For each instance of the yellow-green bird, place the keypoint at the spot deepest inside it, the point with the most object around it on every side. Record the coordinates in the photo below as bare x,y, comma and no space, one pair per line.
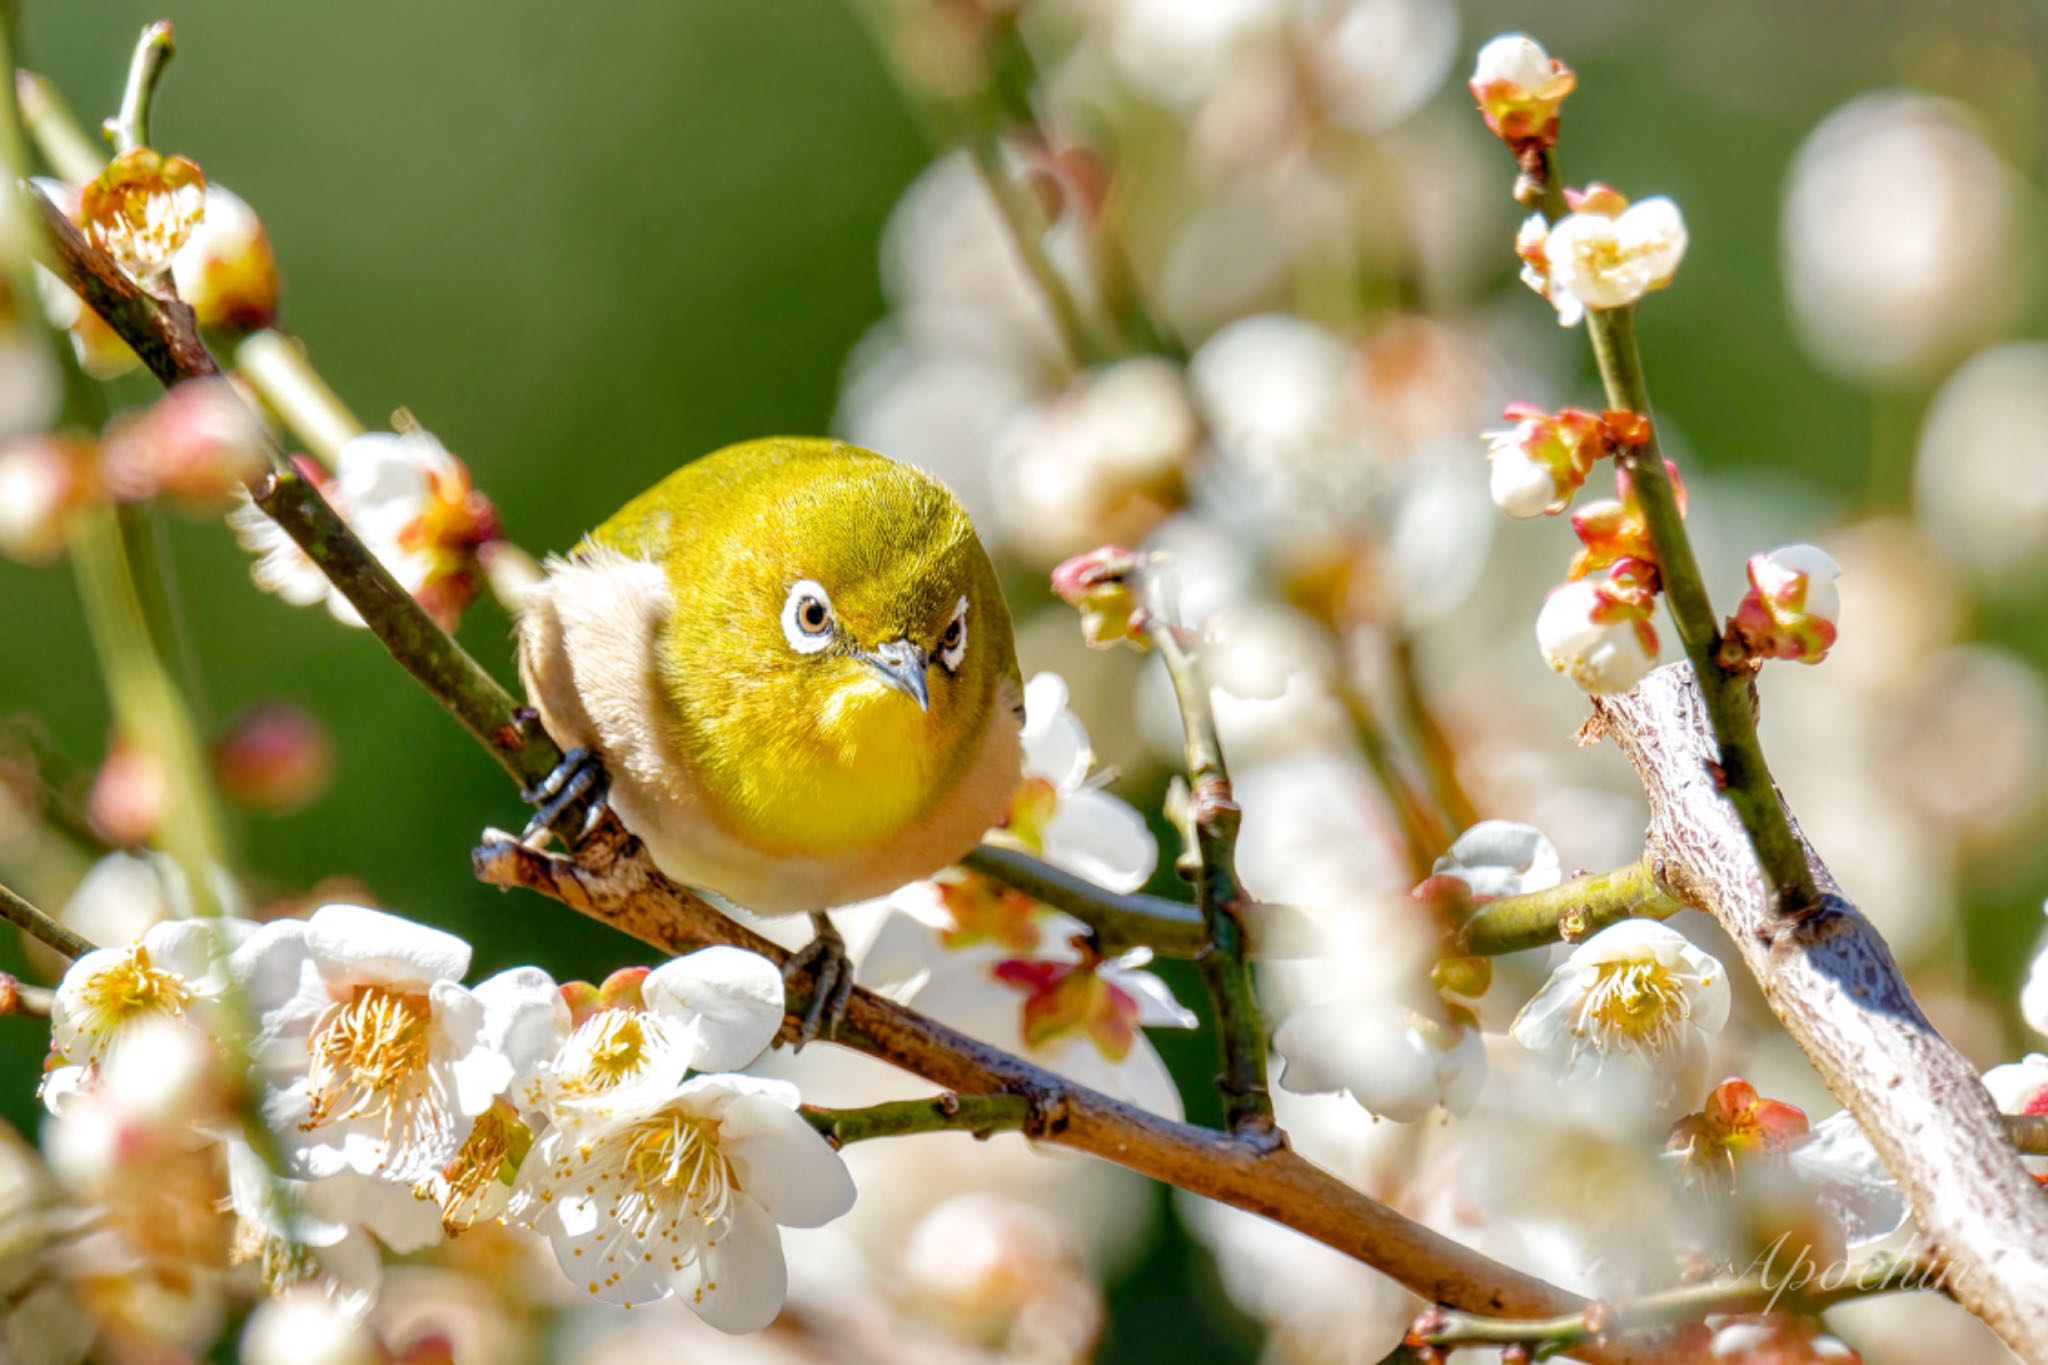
790,669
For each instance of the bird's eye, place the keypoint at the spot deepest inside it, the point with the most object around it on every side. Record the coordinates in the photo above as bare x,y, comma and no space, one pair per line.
807,618
953,644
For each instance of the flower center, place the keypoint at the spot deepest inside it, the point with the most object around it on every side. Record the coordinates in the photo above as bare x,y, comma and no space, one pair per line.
369,1051
671,1166
131,988
1641,1005
613,1054
473,1170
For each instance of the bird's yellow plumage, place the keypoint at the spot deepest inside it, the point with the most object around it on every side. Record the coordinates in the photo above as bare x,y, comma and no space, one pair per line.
794,661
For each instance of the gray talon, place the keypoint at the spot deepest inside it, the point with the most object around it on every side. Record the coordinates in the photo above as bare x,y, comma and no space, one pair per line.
570,799
830,973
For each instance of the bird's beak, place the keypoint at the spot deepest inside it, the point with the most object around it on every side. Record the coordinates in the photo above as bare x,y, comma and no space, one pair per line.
902,666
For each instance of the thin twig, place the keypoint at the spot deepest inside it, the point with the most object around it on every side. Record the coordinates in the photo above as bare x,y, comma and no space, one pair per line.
1569,912
1214,817
23,915
1118,921
981,1115
153,52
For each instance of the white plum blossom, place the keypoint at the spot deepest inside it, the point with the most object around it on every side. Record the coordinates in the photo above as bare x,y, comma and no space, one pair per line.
304,1326
1600,639
716,1009
1061,813
682,1188
1849,1179
173,972
1513,59
1395,1062
1599,259
1501,858
1637,991
377,1056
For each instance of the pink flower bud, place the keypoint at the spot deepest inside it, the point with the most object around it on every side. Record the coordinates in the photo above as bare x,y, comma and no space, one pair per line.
227,271
1102,585
1536,465
1791,607
1064,998
274,758
129,795
142,209
42,479
1520,87
1598,633
1613,530
199,444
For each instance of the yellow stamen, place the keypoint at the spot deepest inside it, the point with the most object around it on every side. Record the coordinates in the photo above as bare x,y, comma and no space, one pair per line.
369,1058
473,1170
131,987
1639,1005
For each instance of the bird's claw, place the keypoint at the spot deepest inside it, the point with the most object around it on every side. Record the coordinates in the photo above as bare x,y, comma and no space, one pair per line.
570,800
824,966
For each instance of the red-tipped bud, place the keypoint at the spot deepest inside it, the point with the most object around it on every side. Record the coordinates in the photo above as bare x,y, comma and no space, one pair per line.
275,758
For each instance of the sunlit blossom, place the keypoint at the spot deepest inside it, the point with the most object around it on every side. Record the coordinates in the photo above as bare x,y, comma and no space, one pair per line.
377,1055
1598,632
1637,992
1792,605
1604,255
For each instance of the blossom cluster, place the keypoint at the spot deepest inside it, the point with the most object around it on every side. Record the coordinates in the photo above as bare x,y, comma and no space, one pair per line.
400,1104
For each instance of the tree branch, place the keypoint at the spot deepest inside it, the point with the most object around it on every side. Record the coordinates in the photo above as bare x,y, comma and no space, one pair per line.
611,881
1569,912
981,1115
1214,817
25,916
1119,921
1831,980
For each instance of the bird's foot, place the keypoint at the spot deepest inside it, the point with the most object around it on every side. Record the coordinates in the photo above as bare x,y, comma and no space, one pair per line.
824,966
570,800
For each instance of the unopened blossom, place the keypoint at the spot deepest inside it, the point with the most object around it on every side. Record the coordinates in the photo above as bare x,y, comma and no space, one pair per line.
142,209
1501,858
198,444
174,972
226,270
1616,529
43,480
1791,607
1608,253
1103,586
1735,1124
1598,632
1637,991
416,509
682,1188
273,757
1520,87
131,793
377,1055
1537,464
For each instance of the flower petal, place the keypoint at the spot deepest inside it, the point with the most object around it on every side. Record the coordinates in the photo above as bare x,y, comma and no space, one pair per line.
525,1018
740,1281
355,945
732,998
1097,836
1502,858
783,1164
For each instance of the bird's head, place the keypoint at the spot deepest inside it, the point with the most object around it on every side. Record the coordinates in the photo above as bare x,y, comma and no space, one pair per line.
850,649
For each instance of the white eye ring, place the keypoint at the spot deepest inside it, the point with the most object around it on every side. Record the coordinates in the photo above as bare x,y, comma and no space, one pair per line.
807,618
953,644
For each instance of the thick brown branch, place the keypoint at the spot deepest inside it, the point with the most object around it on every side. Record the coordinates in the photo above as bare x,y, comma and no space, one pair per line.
611,881
1832,981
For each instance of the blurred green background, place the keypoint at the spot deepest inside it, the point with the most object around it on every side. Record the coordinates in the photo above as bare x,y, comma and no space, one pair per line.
585,245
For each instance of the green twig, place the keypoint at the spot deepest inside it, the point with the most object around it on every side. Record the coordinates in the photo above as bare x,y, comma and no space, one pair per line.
129,129
1119,921
1214,817
1422,838
25,916
1799,1286
1026,227
1569,913
1438,760
980,1115
64,145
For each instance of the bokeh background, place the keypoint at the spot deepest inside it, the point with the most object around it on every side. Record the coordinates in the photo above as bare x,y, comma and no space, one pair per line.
585,246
